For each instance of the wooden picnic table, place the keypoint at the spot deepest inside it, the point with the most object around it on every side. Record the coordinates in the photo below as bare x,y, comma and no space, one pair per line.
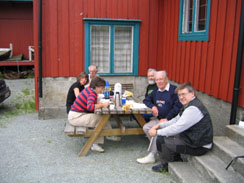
116,113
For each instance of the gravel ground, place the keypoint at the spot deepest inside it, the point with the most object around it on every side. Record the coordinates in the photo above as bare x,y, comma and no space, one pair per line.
37,151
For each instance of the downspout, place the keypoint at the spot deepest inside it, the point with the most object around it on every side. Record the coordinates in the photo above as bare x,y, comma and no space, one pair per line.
40,47
238,68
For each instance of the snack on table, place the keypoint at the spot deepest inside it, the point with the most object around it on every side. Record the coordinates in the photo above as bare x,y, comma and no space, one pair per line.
128,93
126,107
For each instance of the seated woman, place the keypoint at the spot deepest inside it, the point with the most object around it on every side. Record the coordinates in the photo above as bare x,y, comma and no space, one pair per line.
75,89
82,111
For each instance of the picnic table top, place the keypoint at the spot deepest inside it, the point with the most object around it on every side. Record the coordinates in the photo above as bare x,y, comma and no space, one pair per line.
120,110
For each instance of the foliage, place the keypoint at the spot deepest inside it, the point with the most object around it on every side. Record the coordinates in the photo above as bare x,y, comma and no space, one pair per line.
24,103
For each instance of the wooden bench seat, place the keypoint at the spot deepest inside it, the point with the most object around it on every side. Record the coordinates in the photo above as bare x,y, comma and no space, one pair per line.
73,131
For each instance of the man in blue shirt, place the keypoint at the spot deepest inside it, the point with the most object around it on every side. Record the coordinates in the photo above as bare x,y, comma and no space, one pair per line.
165,105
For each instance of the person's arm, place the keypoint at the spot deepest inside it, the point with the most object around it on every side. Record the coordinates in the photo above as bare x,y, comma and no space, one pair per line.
101,105
153,131
91,100
92,105
176,107
149,100
170,122
76,91
190,117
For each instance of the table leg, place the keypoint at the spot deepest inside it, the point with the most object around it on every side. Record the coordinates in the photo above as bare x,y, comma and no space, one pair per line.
140,119
94,134
119,123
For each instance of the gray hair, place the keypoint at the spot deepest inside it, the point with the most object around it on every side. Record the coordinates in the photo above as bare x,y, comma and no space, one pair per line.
150,70
187,85
163,72
93,66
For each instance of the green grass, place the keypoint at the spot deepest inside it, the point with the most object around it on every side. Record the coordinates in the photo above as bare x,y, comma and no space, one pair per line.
26,92
24,103
165,173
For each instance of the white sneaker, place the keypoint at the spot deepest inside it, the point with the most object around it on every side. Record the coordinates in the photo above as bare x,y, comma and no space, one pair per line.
96,147
146,159
113,138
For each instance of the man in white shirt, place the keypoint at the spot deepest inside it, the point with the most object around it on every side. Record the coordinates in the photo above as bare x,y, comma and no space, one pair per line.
190,132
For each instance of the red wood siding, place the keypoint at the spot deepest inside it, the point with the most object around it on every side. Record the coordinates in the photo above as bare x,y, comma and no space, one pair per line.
208,65
16,20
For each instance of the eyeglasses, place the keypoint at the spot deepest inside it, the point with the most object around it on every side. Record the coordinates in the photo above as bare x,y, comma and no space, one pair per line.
183,94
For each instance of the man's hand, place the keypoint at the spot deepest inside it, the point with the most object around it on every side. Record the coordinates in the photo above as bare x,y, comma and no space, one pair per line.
152,132
106,104
155,111
163,120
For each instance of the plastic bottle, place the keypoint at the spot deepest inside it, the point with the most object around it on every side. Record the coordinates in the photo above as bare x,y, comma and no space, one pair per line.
123,100
106,90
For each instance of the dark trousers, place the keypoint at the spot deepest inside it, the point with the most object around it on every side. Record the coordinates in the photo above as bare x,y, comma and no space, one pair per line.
170,148
147,117
68,109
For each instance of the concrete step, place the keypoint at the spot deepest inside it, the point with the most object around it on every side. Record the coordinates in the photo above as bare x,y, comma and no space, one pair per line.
226,149
213,169
235,133
184,172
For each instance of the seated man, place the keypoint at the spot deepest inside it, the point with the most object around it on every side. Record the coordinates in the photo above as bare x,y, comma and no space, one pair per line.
92,73
165,105
151,81
151,86
190,132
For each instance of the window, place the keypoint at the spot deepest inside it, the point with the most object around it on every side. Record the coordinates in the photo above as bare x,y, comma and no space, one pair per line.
112,45
194,20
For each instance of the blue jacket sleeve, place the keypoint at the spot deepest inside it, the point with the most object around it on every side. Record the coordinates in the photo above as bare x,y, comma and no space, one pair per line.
176,107
149,100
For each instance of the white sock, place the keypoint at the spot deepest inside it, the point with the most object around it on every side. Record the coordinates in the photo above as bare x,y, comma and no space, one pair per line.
151,155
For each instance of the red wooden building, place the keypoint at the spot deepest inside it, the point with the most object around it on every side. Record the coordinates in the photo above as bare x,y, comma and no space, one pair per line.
208,62
16,20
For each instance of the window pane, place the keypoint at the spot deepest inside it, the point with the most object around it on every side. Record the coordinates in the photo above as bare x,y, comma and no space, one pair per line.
187,16
202,14
123,49
100,48
190,16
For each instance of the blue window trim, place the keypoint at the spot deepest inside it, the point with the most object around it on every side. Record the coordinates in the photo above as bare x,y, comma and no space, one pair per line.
193,36
113,22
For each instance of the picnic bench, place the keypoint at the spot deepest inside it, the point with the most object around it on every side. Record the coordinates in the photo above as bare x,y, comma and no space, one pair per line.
107,113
